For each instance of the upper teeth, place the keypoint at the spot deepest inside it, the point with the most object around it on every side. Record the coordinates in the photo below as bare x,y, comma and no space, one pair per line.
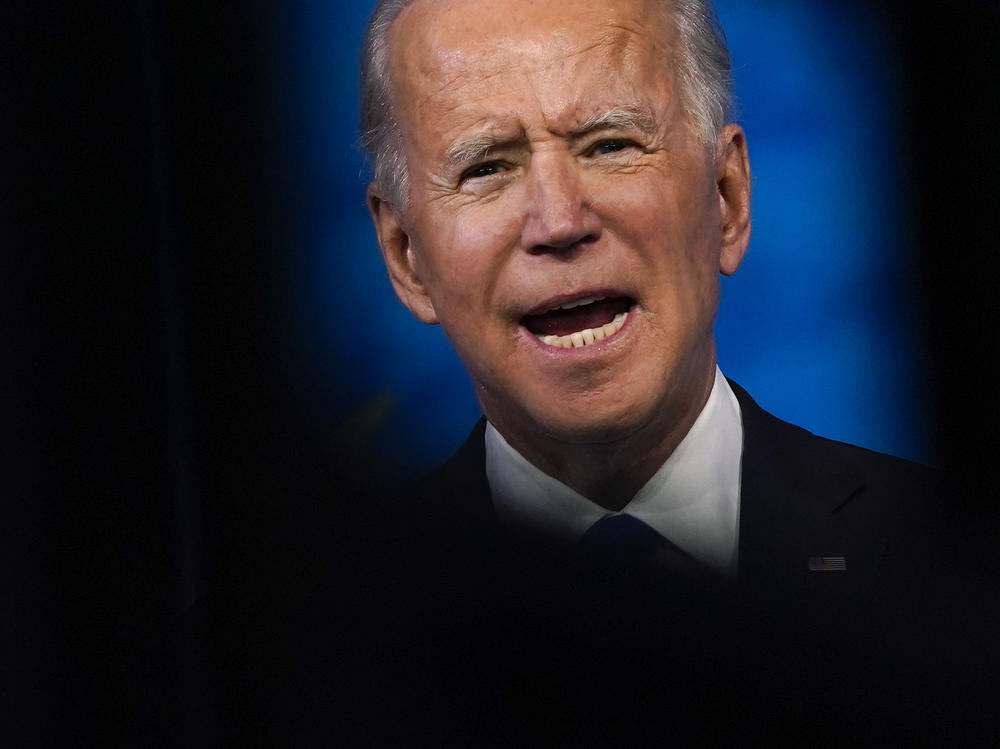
581,302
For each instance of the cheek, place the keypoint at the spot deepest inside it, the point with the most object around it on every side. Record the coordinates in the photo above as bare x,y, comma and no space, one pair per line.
468,253
677,225
676,231
689,217
675,197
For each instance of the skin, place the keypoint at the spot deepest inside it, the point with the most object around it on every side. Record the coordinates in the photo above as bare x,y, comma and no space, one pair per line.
553,212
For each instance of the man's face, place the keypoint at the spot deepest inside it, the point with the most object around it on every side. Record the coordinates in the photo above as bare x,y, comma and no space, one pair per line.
551,164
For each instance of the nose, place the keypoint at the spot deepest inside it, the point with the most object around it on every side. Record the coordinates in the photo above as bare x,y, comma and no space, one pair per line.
559,216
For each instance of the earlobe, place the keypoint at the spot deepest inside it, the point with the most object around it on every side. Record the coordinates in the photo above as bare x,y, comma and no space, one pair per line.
397,252
733,180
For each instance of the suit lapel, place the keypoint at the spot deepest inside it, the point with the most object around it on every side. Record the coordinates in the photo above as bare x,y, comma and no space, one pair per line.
800,499
459,487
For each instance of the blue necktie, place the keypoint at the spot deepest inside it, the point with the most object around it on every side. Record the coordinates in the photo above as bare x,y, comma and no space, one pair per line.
623,536
625,543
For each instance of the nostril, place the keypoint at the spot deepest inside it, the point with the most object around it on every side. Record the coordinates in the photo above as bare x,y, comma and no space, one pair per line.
568,244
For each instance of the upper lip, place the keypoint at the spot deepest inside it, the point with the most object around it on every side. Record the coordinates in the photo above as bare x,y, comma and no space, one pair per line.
559,300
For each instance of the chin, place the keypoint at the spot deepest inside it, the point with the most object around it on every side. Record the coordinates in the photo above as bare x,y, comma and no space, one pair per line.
591,423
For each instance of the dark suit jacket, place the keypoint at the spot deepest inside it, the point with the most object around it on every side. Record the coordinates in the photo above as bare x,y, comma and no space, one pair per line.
422,622
508,640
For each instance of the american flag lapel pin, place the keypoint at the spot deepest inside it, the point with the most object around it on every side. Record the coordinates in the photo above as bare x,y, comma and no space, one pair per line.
828,564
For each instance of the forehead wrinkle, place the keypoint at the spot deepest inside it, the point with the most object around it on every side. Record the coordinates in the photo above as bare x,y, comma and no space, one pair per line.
451,68
625,47
474,148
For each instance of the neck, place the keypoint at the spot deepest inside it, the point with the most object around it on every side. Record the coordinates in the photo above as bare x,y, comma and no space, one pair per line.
611,471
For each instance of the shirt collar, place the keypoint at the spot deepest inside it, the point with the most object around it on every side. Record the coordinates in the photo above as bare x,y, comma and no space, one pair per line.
693,499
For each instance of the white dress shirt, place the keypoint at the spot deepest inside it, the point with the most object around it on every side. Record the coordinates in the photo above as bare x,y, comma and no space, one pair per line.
693,499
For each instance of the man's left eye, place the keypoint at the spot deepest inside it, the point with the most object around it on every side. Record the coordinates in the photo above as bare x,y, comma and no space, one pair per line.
610,146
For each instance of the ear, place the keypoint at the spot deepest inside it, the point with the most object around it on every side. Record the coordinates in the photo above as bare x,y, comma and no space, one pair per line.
733,181
403,267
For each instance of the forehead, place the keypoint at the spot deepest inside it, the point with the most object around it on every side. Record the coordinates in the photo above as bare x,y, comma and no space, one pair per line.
492,55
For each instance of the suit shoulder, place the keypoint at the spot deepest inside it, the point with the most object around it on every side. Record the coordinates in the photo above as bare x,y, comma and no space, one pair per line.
781,438
881,467
809,464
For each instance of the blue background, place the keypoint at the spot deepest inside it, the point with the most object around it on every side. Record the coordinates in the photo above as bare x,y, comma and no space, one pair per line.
821,324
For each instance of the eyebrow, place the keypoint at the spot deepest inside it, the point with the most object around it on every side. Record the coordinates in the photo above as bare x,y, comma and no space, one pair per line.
619,118
471,150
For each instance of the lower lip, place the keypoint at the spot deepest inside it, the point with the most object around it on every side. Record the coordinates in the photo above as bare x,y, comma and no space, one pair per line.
595,347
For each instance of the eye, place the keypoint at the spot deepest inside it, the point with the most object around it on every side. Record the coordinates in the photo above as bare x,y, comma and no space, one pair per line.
485,169
610,146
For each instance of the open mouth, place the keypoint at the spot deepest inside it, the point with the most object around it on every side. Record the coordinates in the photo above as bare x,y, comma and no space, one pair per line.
579,323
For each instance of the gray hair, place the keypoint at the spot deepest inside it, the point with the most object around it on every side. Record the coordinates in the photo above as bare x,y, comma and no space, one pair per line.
703,63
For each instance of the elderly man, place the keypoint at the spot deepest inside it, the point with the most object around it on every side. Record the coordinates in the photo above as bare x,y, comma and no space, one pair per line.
559,186
560,195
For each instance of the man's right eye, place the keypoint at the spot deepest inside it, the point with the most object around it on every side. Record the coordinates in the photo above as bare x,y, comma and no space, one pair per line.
482,170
